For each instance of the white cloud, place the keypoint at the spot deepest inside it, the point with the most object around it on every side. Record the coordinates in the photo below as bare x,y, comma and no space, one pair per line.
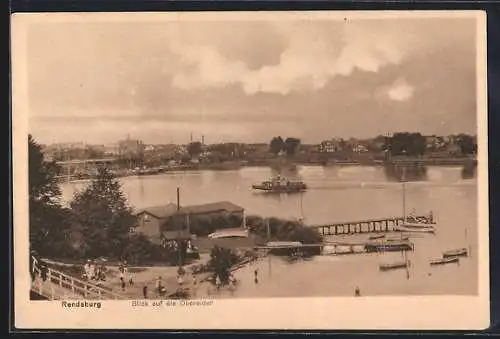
312,58
400,91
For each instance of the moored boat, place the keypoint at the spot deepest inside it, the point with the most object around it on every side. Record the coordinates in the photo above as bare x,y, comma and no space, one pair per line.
419,222
461,252
443,261
394,265
375,237
402,238
404,228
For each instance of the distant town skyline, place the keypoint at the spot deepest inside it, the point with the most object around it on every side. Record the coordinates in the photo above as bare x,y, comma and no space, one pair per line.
98,82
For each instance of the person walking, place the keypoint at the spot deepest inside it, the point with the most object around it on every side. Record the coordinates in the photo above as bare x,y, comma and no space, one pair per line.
218,283
159,287
122,281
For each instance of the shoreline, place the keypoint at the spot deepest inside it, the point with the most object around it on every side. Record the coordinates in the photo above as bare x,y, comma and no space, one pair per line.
451,162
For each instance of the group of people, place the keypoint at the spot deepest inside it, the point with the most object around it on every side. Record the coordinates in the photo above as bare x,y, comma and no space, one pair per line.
94,271
125,274
160,288
231,282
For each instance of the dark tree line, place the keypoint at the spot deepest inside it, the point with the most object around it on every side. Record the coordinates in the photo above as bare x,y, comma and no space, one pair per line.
410,144
415,144
467,144
289,145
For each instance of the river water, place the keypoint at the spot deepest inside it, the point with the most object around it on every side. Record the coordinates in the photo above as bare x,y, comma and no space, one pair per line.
337,194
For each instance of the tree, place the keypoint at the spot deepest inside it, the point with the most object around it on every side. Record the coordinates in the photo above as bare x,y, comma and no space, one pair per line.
221,261
291,146
43,186
48,226
410,144
276,145
102,217
467,144
194,149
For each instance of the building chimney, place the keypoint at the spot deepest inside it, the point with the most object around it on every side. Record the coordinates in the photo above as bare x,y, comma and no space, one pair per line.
203,140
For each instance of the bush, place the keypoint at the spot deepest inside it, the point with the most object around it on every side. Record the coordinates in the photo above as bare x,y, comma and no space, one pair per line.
286,230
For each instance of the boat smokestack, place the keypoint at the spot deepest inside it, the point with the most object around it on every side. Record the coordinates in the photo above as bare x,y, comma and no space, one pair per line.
178,198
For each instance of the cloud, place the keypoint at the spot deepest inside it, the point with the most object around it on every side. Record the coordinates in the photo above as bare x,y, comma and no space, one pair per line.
312,57
400,91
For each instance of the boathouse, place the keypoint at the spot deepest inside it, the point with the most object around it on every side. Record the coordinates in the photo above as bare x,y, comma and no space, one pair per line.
165,222
149,220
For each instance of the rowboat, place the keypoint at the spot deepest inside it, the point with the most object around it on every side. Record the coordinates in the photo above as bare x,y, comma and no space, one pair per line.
403,238
395,265
418,224
461,252
426,229
378,236
444,261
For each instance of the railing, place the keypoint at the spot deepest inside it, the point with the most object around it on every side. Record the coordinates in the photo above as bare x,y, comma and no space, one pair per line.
58,285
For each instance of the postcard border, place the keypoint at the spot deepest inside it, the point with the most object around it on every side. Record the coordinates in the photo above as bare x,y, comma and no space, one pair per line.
27,312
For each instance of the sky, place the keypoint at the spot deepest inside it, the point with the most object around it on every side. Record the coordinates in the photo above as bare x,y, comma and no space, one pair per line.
247,81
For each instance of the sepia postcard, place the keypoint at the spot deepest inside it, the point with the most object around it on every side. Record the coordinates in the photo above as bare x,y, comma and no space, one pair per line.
250,170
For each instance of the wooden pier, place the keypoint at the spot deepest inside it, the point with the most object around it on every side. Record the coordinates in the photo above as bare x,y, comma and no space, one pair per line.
340,247
365,226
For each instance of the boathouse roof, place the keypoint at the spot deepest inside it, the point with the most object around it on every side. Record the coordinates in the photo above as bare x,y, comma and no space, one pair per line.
165,211
222,206
160,212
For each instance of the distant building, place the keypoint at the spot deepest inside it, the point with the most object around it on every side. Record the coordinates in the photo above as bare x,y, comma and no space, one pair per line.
130,147
358,148
112,149
330,146
48,156
149,148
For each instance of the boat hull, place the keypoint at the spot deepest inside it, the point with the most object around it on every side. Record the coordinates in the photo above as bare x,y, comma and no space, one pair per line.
444,261
415,229
457,253
278,189
395,266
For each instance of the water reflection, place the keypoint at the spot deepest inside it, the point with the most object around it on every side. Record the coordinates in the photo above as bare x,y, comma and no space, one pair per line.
406,172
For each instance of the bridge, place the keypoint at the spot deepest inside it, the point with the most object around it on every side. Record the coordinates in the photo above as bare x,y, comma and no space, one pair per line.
72,168
86,161
56,285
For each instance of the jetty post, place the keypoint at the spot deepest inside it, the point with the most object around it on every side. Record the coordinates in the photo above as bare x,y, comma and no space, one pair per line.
178,198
